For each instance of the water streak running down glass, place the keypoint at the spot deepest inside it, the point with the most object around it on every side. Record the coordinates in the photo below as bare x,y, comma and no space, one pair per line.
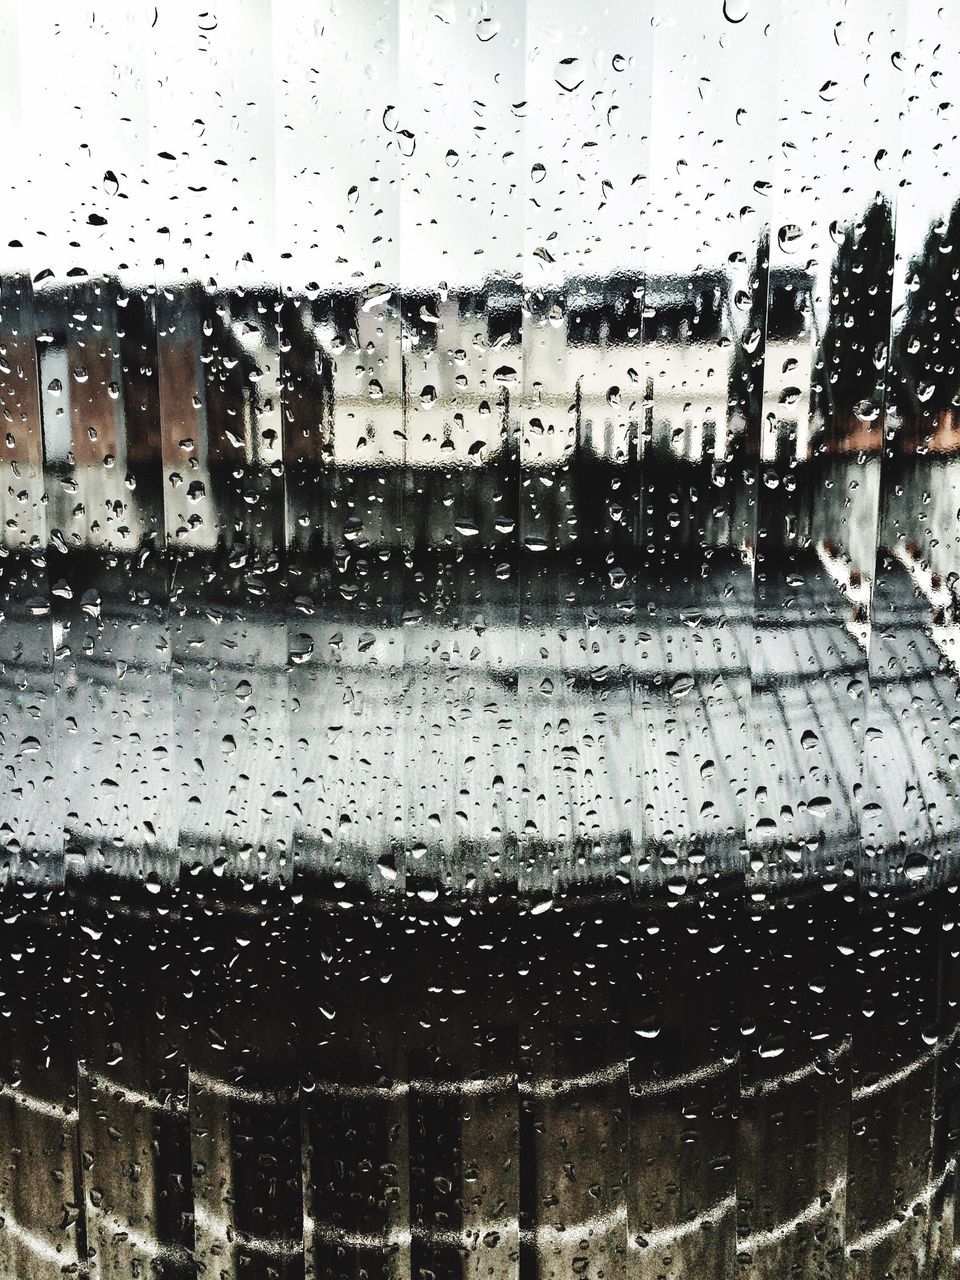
480,640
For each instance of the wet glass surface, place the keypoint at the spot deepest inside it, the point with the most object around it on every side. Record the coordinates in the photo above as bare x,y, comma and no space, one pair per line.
479,562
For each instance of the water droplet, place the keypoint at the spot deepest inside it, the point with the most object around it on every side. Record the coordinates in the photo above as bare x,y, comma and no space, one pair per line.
735,10
867,411
916,867
568,74
681,685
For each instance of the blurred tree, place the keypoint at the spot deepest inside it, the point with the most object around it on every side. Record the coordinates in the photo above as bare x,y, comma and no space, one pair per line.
927,345
746,370
849,382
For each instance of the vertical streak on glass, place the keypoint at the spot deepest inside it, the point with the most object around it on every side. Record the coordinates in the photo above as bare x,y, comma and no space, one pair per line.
849,404
691,679
918,545
306,408
96,527
541,404
284,332
38,1102
600,747
633,123
773,1182
537,1135
806,758
121,823
572,811
343,449
36,1064
181,417
905,1077
634,109
432,509
345,446
398,120
162,1075
121,826
127,811
748,374
639,994
79,535
79,531
474,393
231,652
402,122
306,413
459,209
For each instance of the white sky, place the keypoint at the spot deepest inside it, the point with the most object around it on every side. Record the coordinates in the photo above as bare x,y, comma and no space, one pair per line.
263,129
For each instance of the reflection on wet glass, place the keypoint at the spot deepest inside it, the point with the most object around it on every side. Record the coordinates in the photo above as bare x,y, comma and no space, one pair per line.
480,574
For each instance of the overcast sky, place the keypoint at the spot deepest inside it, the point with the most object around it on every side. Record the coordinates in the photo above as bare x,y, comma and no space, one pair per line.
420,141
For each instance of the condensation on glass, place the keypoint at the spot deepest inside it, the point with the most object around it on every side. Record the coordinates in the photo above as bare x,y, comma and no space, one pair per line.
480,592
